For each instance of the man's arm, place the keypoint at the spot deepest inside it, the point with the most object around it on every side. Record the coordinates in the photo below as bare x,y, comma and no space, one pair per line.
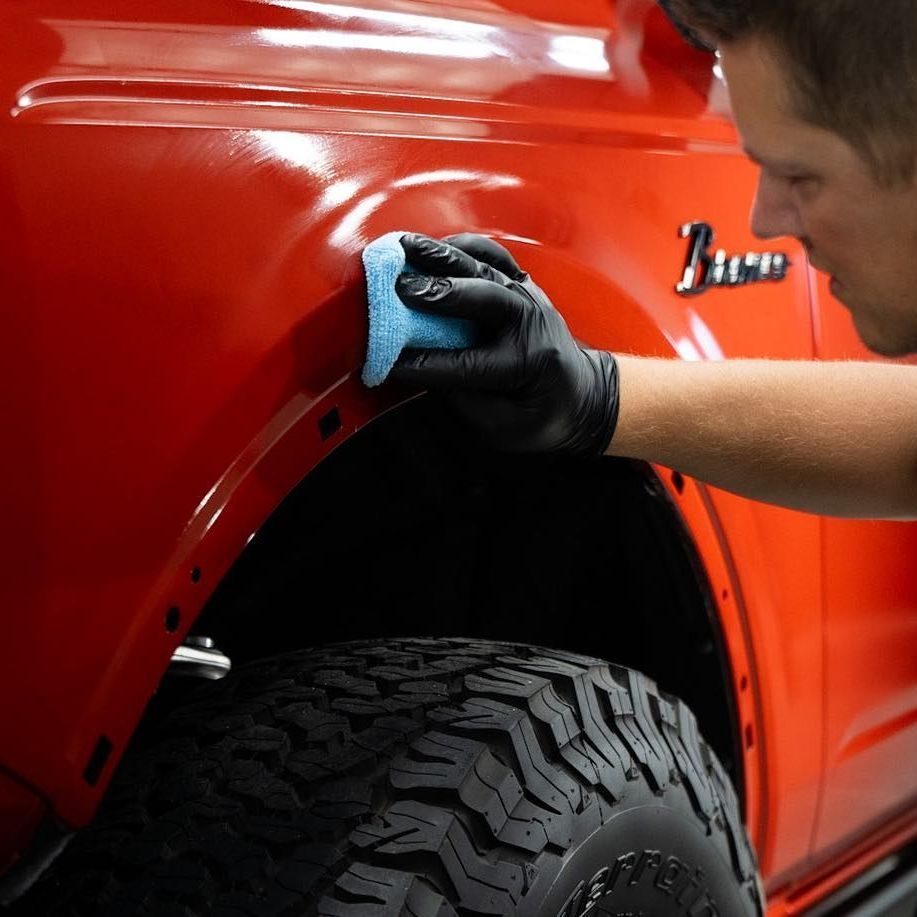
833,438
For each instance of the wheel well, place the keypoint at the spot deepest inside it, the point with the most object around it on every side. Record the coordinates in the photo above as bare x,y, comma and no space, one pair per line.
410,529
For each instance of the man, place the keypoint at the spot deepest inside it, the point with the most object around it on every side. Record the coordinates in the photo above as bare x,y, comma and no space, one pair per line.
824,95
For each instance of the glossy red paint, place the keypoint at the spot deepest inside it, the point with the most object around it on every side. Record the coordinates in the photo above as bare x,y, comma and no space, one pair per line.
185,191
870,630
848,862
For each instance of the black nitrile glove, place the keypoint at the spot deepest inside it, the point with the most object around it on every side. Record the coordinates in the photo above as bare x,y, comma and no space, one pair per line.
528,386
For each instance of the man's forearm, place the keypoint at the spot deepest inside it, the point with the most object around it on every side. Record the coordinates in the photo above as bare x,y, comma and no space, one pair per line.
833,438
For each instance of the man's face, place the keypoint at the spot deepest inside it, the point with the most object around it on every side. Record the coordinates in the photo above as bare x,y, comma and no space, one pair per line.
814,186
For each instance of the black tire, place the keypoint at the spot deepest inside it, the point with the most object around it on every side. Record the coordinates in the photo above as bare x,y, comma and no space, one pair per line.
431,778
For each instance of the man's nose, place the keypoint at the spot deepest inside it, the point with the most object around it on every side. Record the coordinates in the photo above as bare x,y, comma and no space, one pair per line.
774,212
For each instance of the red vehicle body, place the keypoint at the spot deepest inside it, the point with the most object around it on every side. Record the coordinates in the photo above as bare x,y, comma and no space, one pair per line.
185,190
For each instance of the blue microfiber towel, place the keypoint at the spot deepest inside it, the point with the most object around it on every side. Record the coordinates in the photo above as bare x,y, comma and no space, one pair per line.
392,325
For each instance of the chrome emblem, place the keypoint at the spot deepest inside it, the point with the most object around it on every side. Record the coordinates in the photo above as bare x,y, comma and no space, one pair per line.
703,270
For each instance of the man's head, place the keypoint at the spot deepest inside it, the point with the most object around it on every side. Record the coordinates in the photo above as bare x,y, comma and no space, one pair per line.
824,94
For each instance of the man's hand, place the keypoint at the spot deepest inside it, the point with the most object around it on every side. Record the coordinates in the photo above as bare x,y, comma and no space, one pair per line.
528,387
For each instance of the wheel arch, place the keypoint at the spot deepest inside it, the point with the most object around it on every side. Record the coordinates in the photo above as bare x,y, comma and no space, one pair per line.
416,550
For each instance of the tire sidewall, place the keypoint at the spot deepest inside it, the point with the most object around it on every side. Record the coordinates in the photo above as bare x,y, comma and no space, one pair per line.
653,859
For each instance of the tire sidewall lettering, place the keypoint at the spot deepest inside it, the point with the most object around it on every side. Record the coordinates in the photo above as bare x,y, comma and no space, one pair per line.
671,876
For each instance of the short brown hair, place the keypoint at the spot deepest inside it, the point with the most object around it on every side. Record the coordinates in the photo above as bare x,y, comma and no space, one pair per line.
852,65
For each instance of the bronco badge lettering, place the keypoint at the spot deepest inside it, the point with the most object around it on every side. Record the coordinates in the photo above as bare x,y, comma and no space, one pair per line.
703,270
671,876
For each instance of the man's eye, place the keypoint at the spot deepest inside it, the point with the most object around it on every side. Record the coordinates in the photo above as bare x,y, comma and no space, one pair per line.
805,186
